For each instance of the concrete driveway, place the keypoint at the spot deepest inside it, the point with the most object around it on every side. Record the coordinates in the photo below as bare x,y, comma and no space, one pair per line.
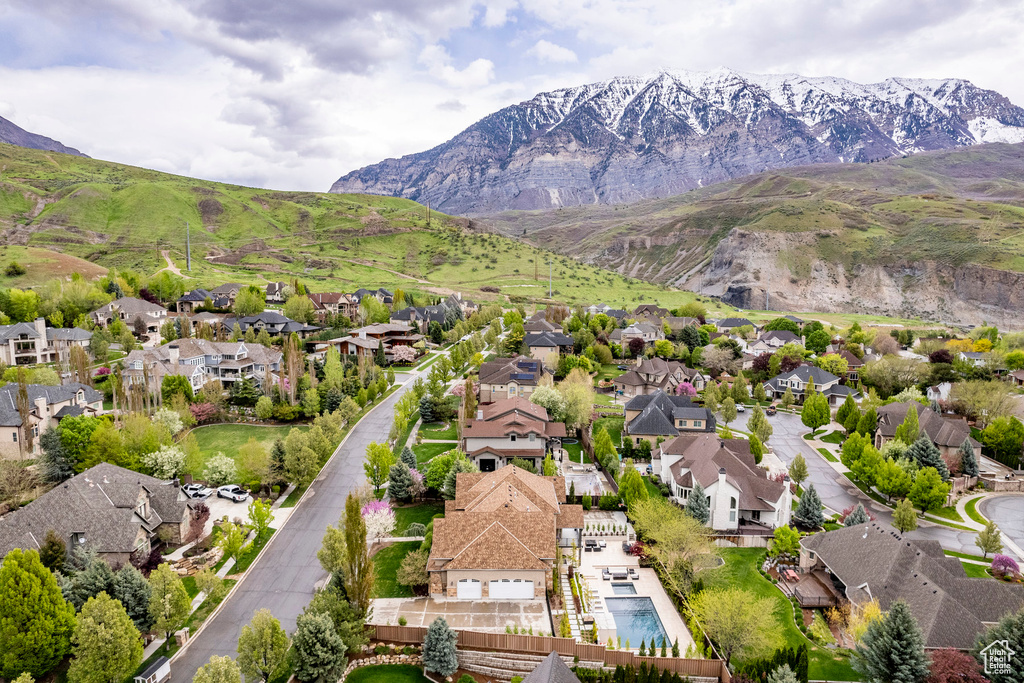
838,493
488,616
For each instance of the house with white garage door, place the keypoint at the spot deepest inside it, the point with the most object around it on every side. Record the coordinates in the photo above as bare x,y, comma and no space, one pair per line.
498,538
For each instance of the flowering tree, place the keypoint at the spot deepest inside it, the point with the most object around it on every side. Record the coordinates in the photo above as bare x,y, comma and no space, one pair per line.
685,389
170,419
403,354
1004,565
460,389
165,463
418,488
102,372
203,412
379,519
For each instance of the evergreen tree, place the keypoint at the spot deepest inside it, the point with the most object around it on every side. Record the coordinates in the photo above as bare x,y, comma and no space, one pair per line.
909,431
808,513
675,648
107,646
925,453
1010,629
319,652
408,457
643,648
892,649
97,577
858,516
54,552
54,464
904,518
36,622
439,648
134,592
697,504
400,481
968,462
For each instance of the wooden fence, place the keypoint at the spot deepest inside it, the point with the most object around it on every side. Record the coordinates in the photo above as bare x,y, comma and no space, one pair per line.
543,645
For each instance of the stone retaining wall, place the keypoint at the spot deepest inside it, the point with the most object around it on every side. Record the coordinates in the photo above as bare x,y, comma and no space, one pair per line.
377,660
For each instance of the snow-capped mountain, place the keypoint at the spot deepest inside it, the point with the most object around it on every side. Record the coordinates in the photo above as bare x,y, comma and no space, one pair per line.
653,136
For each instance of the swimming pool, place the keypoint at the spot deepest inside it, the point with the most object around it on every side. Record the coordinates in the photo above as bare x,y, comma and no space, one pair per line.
623,589
637,620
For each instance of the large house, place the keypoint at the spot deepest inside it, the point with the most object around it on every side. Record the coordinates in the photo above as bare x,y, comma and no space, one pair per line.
947,433
275,292
653,310
202,361
364,341
497,539
189,301
47,405
534,324
128,309
548,346
740,495
771,341
421,315
873,562
507,429
109,509
661,416
34,343
730,324
334,303
657,374
509,377
382,295
797,381
273,322
643,331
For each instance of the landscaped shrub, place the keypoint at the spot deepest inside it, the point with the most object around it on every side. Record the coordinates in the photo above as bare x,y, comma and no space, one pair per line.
1005,566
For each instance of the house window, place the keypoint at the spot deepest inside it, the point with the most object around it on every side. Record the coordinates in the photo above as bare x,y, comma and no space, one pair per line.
512,438
732,509
698,423
686,493
532,437
14,434
142,509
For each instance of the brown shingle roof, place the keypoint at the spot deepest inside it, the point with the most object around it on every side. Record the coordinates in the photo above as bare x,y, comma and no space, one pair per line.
705,454
943,431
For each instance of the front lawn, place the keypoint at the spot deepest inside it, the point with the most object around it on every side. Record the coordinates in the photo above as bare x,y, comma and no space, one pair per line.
836,437
426,451
388,673
421,512
828,455
204,610
249,556
228,438
740,571
975,571
972,510
439,431
385,569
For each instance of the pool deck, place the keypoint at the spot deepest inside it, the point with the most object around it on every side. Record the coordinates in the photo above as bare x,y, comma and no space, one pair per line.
646,586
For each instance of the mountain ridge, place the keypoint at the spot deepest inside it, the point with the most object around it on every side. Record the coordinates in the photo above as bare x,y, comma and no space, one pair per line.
641,137
13,134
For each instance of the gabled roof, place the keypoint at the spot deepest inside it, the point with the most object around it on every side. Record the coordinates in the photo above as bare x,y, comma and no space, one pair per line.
943,431
226,288
9,415
548,340
785,336
520,369
130,306
705,455
659,412
874,561
16,330
541,325
733,322
804,373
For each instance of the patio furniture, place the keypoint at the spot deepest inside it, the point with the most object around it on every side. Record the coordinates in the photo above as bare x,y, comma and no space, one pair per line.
619,572
633,574
606,575
602,545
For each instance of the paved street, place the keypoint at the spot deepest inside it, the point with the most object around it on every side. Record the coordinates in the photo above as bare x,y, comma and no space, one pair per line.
1007,512
283,579
838,493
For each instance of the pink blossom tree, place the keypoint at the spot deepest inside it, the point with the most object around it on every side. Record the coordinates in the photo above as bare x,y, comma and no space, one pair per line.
685,389
1004,565
403,354
418,488
203,412
379,519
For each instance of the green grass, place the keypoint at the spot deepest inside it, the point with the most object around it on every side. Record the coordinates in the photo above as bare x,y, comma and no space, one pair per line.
610,371
828,455
613,425
385,568
249,556
228,438
404,438
575,451
439,431
204,610
388,673
949,513
425,451
972,510
190,586
740,571
293,497
967,556
975,571
836,437
421,512
652,488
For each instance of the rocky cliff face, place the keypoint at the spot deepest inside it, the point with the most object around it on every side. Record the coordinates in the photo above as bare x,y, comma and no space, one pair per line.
759,270
644,137
15,135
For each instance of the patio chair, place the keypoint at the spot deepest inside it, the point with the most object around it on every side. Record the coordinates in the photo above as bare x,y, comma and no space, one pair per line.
633,574
606,575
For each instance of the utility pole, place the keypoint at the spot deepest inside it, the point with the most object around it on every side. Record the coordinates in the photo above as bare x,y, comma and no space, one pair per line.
188,249
428,213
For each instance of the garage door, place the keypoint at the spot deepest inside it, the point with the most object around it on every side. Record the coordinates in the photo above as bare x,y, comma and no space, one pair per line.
470,588
515,589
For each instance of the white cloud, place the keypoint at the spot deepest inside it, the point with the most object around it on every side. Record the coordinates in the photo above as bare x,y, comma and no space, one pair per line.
497,12
547,52
477,73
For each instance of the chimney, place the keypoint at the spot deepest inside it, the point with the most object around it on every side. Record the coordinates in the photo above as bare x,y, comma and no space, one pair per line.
721,477
479,414
172,353
41,327
362,334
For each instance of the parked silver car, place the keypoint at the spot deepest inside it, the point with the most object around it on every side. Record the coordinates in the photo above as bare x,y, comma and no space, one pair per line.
233,492
196,491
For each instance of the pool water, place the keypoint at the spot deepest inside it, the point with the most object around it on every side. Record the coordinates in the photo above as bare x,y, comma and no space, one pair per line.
636,620
623,589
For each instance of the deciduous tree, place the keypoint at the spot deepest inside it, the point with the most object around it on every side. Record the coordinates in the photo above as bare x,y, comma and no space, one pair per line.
107,647
928,492
218,670
798,469
262,647
989,539
169,603
379,459
904,518
738,621
358,565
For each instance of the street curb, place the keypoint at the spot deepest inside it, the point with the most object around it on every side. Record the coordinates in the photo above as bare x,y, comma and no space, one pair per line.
247,573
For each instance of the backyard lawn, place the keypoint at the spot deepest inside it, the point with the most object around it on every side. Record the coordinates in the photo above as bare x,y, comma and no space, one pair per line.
426,451
387,673
740,571
421,512
575,451
385,569
439,431
227,439
610,371
613,425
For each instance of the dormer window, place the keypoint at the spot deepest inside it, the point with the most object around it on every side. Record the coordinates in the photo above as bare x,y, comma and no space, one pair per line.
142,509
512,438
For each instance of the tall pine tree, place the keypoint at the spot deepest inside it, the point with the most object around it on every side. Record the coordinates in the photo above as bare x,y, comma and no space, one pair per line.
968,462
697,504
925,453
892,649
808,513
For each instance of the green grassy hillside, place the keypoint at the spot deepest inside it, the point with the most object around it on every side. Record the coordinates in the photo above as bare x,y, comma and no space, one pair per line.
953,207
115,215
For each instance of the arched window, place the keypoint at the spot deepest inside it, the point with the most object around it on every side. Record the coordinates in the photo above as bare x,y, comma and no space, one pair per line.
732,509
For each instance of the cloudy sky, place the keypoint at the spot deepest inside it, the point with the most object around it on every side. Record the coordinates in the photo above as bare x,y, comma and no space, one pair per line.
291,94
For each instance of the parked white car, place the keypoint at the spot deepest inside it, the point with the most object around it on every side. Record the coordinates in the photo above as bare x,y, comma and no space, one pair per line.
233,492
196,491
